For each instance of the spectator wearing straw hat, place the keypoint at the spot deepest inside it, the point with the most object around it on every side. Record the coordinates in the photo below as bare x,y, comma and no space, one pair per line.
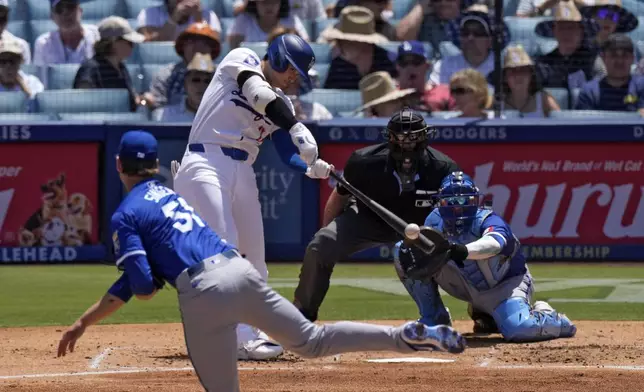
521,88
413,66
167,87
72,43
198,75
166,21
381,97
618,90
259,18
356,50
475,41
106,69
573,61
11,77
611,17
6,35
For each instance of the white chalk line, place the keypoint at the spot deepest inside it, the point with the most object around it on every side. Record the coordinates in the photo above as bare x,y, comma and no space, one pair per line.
489,358
571,367
95,363
129,371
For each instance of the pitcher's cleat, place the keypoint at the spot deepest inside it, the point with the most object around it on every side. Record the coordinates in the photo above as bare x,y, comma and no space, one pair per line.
439,338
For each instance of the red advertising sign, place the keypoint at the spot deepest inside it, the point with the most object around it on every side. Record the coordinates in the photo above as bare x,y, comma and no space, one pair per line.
49,194
583,193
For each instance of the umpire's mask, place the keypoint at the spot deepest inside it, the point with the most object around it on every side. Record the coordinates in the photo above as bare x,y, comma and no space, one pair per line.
407,135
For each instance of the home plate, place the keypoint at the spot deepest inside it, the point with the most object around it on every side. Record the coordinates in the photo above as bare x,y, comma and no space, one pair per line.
410,360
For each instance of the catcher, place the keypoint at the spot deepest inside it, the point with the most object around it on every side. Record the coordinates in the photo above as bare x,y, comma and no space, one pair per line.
478,260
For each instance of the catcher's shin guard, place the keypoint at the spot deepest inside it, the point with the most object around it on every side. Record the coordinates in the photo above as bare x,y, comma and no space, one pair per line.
519,322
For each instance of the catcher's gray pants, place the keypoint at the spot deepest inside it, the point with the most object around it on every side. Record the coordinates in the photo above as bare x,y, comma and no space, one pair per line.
226,289
350,232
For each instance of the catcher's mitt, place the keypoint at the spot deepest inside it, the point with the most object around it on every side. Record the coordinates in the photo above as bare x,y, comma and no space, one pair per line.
417,264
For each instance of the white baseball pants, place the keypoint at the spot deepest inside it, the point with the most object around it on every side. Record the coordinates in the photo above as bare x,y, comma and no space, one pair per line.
224,193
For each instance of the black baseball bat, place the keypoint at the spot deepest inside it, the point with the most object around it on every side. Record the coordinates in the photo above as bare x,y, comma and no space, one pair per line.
393,220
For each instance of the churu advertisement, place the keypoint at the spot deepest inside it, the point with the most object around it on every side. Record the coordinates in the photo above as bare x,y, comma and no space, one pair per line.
552,195
49,194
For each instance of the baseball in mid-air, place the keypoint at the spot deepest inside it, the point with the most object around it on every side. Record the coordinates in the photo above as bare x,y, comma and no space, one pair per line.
412,231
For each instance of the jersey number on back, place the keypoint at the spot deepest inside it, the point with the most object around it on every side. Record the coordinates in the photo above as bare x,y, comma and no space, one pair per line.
184,219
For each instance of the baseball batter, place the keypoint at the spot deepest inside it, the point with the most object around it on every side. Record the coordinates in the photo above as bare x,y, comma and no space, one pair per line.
158,237
243,105
487,270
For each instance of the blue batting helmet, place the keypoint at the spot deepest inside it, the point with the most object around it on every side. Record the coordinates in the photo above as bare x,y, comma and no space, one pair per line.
291,49
458,202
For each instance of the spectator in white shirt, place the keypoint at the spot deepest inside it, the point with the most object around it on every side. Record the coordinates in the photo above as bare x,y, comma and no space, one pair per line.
165,22
303,9
200,72
476,44
72,43
4,34
11,77
259,19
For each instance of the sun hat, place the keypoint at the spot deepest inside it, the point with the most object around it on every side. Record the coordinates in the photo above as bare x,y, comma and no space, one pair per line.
380,87
356,24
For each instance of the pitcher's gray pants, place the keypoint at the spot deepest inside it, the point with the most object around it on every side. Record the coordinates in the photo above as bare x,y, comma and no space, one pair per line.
228,290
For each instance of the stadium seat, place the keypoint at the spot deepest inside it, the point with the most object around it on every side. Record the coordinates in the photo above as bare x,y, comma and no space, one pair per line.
226,25
83,101
574,96
510,7
214,5
61,76
32,69
638,33
137,77
321,24
133,7
92,9
402,7
448,48
39,27
148,71
102,117
309,25
561,96
227,8
157,53
446,114
18,10
13,102
335,100
26,117
20,29
522,30
585,114
225,48
257,47
323,71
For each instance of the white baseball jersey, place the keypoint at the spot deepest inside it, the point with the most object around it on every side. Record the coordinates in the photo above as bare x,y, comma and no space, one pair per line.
225,117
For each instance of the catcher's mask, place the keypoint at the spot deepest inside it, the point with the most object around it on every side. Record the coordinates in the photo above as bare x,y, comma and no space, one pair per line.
407,135
459,201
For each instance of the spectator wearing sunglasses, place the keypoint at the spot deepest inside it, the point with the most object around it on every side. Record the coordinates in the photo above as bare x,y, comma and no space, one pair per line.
11,77
199,74
618,90
470,91
72,43
611,17
167,87
106,69
475,41
6,35
413,67
166,21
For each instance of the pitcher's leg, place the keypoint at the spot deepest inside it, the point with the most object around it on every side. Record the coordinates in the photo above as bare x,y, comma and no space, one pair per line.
212,349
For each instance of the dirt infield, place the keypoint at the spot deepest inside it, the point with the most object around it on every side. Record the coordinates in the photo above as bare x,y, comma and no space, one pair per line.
605,356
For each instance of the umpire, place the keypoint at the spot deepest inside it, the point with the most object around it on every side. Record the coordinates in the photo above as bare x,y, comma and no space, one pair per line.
401,174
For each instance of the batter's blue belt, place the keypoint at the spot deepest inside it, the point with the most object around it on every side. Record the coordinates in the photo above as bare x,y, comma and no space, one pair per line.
200,267
234,153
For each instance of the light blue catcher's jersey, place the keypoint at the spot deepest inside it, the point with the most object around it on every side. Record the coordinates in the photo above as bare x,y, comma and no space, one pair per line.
156,222
487,273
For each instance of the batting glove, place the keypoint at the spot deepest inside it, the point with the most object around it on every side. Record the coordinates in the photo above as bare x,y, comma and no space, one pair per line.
305,143
319,170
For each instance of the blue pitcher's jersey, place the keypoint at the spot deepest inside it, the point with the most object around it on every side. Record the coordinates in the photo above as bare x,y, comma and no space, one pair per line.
156,224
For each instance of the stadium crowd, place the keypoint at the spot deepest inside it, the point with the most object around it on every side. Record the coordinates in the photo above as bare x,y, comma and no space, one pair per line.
153,59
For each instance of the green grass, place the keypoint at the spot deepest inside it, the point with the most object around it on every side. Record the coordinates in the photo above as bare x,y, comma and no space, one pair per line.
57,295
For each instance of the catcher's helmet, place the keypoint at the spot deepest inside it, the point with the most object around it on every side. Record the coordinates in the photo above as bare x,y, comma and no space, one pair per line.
458,202
291,49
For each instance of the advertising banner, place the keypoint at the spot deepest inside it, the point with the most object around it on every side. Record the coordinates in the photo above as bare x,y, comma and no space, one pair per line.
563,201
49,205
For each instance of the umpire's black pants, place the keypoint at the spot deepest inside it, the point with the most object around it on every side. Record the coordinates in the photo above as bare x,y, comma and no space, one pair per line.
352,231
